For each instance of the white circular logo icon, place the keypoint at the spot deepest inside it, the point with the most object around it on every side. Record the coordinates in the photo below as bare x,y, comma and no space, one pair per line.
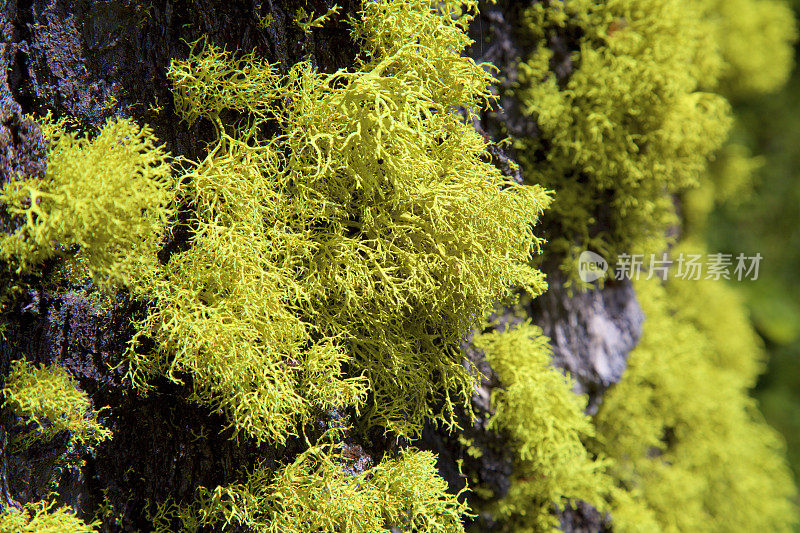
591,266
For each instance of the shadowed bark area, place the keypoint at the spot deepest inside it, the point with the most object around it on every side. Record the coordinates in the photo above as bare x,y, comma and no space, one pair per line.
92,61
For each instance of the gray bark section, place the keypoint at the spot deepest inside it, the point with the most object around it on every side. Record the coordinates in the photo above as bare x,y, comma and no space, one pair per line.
97,60
591,333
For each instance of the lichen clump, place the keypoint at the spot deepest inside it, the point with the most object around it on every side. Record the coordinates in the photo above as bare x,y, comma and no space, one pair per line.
690,450
341,261
629,98
627,126
47,401
755,40
545,419
40,517
109,227
313,494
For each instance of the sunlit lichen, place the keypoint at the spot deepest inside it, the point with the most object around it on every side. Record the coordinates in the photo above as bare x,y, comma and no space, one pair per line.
47,400
110,197
40,517
313,494
755,39
348,254
544,417
688,445
626,126
307,21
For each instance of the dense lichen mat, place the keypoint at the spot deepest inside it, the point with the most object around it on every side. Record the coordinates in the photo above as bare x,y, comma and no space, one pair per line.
50,402
680,429
348,239
641,112
376,234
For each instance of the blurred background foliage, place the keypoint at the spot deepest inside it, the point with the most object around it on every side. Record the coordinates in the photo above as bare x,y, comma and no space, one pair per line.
764,216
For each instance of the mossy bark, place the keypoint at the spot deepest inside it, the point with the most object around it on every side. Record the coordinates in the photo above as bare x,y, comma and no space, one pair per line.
93,61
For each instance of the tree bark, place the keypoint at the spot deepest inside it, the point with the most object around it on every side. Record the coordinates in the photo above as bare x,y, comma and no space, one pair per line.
92,61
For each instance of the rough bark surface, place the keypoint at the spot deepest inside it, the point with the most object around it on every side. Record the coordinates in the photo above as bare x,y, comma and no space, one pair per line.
94,60
591,333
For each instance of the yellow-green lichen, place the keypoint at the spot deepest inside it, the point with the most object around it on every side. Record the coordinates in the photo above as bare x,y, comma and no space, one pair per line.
313,494
626,126
545,420
755,40
690,450
40,517
340,261
730,180
307,22
110,196
628,99
47,399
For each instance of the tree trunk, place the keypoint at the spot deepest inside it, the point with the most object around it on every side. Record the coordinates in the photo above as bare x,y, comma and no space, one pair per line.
96,60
